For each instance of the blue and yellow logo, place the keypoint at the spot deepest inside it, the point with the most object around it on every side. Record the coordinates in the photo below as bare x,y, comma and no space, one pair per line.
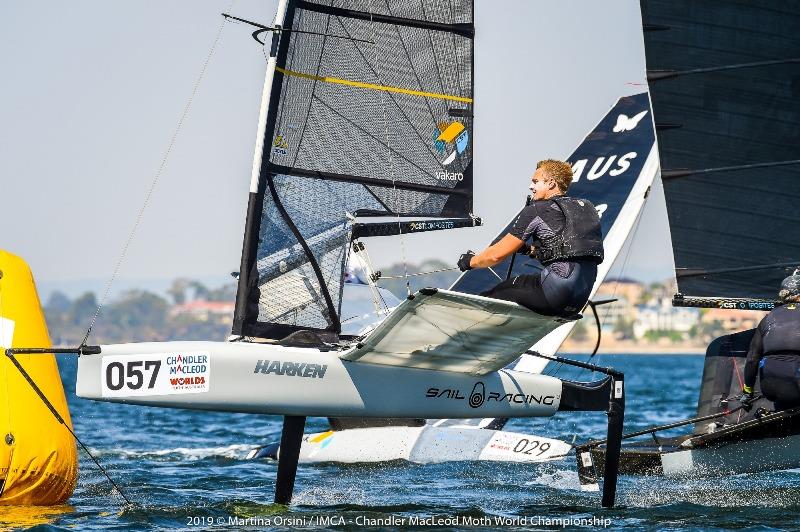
448,135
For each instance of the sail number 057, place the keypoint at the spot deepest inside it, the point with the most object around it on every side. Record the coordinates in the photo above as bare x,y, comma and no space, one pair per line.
132,374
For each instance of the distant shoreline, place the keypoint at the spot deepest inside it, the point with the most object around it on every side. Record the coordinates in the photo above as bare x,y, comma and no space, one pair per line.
640,350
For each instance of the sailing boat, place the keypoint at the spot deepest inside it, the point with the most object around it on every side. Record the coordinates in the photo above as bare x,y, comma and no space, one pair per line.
614,167
362,116
724,83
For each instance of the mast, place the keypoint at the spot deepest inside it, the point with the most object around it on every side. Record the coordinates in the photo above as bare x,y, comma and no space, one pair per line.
363,114
256,173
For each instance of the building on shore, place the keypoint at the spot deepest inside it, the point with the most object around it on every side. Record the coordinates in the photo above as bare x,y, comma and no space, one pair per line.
733,320
218,311
659,316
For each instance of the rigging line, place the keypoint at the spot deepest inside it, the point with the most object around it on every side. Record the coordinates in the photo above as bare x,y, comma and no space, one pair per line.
411,63
696,272
389,152
379,141
494,272
377,297
455,47
342,260
288,59
372,86
363,257
685,172
429,145
419,273
433,50
656,75
156,178
741,383
60,419
328,185
278,29
313,91
632,237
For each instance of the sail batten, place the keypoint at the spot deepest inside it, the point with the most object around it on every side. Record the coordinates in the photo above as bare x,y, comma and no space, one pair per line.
359,125
464,29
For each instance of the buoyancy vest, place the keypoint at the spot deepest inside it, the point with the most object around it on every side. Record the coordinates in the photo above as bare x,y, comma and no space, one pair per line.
581,237
780,330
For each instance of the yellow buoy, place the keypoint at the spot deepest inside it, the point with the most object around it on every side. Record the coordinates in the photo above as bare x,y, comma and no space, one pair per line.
38,457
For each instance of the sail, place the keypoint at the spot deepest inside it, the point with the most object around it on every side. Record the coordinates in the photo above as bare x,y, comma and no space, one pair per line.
369,114
725,85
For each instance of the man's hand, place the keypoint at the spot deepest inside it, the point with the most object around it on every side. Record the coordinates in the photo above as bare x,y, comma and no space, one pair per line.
747,401
526,250
464,260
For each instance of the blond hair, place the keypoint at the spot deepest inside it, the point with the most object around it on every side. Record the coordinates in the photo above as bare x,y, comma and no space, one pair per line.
558,171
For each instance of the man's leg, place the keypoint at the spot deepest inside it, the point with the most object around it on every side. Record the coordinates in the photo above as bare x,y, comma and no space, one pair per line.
779,380
525,290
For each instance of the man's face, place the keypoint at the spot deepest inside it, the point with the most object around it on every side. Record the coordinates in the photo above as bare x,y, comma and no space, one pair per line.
542,186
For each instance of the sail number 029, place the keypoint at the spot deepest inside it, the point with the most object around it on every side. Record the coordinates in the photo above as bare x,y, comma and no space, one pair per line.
525,446
132,374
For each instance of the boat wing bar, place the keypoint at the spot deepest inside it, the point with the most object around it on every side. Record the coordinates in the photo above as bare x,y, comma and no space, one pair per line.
739,303
361,230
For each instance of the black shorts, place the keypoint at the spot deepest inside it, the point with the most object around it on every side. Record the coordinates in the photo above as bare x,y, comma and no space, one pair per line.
548,293
780,379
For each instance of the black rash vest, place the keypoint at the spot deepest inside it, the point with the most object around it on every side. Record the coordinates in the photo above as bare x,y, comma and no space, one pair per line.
540,220
778,333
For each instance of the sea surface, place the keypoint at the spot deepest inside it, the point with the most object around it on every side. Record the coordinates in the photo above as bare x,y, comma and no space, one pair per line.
186,470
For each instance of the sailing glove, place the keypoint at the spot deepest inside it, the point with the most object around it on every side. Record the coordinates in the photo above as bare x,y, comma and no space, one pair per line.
464,260
527,250
747,401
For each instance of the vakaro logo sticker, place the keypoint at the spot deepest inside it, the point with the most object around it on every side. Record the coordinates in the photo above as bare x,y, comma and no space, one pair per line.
450,134
155,374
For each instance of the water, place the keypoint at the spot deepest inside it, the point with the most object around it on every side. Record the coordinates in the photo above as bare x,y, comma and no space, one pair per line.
187,470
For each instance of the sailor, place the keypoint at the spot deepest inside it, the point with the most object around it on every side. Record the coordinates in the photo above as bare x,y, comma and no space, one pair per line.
775,351
564,235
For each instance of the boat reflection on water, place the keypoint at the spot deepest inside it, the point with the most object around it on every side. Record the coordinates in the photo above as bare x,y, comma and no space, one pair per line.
13,517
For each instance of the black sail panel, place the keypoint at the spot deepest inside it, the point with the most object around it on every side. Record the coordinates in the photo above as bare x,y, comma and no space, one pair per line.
370,114
725,87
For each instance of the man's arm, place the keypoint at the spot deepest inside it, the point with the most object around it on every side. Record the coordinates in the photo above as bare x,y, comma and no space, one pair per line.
495,253
753,358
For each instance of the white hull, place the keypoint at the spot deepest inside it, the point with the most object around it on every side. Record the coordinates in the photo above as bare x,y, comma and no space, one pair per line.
429,444
769,454
271,379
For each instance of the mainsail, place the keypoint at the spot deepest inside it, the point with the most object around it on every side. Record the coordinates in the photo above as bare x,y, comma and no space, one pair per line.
725,84
367,112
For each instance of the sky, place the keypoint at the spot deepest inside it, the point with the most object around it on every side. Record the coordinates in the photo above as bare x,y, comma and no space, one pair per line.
93,91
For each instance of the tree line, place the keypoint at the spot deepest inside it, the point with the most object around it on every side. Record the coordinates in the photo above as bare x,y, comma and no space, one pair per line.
137,316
